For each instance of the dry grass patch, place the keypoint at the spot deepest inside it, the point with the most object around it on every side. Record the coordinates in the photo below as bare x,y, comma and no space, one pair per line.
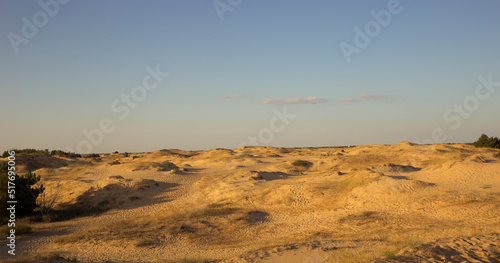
191,260
212,224
43,256
160,167
363,253
388,248
334,189
301,163
23,227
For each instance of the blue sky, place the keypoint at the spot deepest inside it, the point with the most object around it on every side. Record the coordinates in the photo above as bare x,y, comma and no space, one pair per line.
267,54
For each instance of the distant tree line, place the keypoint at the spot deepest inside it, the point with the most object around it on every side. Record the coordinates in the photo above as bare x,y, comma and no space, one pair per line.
92,155
485,141
43,152
54,153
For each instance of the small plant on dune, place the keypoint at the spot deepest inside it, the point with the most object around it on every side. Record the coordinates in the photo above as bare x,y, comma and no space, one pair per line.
389,254
133,198
191,260
115,162
144,243
301,163
125,154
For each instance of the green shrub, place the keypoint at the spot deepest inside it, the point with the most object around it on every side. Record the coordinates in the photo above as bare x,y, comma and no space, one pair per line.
389,254
92,155
35,151
26,151
25,193
485,141
60,153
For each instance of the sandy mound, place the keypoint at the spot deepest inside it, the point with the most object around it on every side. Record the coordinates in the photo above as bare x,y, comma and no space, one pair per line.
32,162
403,145
396,168
97,196
172,153
164,166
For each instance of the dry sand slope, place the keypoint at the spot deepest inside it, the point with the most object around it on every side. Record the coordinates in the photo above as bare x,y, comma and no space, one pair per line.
374,203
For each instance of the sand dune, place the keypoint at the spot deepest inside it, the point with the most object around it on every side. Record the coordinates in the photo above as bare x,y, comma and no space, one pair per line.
374,203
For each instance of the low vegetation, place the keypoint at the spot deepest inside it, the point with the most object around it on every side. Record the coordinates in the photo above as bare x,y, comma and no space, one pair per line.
301,163
191,260
22,227
92,155
42,152
25,195
488,142
214,222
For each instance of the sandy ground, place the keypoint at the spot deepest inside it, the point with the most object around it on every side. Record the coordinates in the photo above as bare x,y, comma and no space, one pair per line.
374,203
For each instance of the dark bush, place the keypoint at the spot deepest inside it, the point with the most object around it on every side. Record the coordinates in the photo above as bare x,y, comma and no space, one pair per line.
301,163
74,155
60,153
92,155
35,151
25,193
485,141
27,151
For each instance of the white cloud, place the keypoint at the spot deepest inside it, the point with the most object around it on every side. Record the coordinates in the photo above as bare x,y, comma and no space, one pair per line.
369,97
346,100
297,100
231,96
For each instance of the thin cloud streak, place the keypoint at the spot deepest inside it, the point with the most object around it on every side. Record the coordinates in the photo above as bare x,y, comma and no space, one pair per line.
368,97
347,100
297,100
371,97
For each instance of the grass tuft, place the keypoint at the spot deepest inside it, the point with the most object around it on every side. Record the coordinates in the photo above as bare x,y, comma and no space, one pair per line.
22,227
388,254
301,163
